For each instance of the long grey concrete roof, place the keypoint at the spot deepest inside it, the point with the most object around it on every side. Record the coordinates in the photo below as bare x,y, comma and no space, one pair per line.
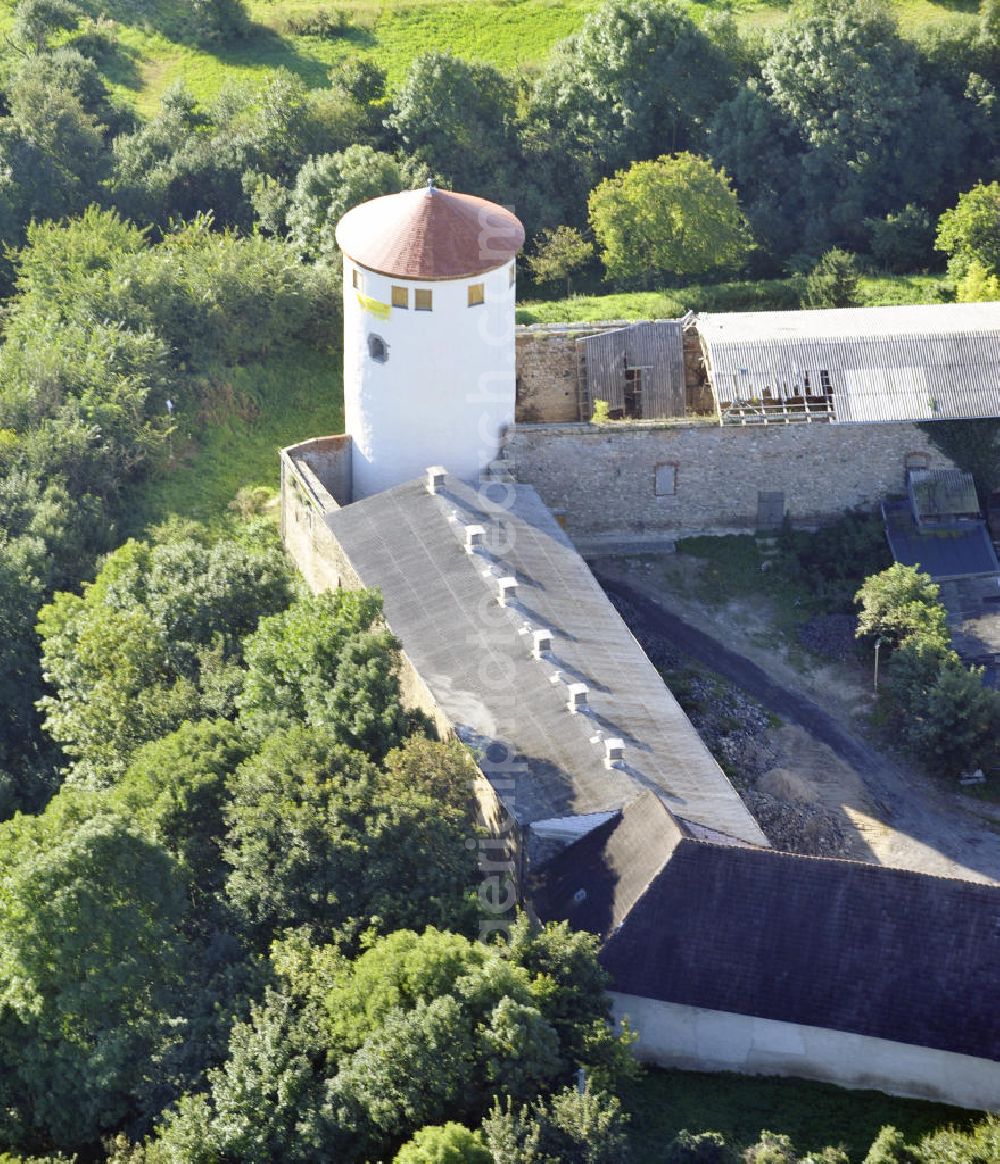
475,656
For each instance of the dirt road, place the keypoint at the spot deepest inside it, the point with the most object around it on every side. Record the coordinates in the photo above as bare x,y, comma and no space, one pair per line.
895,816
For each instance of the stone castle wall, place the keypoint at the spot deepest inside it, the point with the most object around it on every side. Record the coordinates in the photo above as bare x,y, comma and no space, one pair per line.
546,375
652,479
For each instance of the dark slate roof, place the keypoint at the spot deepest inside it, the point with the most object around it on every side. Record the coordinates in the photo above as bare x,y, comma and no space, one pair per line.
594,883
475,657
860,948
942,493
946,550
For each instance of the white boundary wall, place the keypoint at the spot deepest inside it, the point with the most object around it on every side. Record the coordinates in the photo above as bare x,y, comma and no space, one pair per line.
689,1037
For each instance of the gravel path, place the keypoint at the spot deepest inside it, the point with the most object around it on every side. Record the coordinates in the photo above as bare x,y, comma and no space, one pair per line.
907,821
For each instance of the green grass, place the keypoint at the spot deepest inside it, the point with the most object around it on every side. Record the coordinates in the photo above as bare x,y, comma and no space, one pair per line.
814,1115
153,53
288,398
743,295
731,566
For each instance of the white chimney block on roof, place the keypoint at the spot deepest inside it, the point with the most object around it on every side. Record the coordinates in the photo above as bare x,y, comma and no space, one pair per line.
507,590
541,643
435,478
614,753
474,538
579,694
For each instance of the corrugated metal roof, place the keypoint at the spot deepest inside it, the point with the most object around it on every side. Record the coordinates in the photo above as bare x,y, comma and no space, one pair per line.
942,493
924,362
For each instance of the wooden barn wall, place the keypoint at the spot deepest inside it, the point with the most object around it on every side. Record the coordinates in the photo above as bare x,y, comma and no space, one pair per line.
658,347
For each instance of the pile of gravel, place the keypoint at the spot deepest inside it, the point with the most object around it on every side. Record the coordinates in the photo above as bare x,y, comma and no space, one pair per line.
808,829
831,636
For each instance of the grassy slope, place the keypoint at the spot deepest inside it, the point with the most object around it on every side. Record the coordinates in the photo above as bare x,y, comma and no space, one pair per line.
508,33
289,398
760,295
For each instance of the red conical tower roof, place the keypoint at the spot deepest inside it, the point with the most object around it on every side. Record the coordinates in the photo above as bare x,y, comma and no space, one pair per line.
430,234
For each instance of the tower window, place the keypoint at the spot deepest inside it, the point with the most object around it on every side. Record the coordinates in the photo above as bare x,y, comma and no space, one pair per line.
378,349
423,299
355,277
511,274
477,294
401,297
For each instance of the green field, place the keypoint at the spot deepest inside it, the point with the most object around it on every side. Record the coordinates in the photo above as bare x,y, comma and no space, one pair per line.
509,33
746,295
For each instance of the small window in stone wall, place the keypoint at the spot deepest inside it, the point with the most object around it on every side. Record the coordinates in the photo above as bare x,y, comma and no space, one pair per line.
917,461
378,349
666,479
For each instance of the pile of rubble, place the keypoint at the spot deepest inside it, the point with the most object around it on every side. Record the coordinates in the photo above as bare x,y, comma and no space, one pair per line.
739,733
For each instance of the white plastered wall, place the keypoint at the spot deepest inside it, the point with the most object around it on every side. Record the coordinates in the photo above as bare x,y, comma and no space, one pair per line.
445,392
711,1040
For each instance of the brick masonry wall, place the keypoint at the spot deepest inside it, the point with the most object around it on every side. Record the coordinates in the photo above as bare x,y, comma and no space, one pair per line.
602,481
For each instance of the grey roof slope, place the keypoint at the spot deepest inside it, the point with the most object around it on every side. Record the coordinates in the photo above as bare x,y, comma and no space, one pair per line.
923,362
475,656
861,948
954,549
594,883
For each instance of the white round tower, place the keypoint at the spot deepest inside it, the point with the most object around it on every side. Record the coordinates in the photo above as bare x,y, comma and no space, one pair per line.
428,334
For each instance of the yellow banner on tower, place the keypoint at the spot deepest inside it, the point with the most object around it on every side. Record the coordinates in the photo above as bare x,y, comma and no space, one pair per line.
379,310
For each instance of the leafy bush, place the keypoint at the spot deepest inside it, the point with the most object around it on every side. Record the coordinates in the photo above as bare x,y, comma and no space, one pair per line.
829,565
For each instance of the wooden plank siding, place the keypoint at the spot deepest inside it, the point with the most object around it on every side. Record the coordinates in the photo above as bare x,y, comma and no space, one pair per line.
655,347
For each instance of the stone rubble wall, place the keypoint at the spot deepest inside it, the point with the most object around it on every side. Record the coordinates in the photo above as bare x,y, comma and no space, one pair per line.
614,480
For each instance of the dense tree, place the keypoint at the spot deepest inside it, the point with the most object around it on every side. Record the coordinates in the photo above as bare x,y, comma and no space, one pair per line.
558,254
675,214
901,242
326,661
833,281
328,186
901,603
457,118
125,659
53,155
970,232
955,726
35,21
449,1143
843,127
316,839
88,966
175,791
638,79
576,1126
